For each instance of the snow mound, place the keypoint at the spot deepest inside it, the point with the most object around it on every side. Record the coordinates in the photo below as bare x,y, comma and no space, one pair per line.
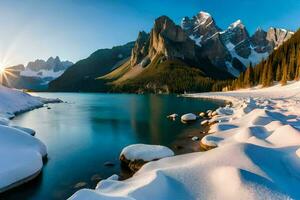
20,156
20,153
146,152
285,136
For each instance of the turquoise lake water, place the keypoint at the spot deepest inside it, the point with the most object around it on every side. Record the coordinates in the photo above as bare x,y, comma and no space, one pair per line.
91,129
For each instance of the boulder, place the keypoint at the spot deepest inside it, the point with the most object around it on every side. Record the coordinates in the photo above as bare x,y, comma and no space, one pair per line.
188,117
136,155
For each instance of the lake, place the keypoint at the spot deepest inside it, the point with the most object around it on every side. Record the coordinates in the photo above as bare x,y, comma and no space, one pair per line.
91,129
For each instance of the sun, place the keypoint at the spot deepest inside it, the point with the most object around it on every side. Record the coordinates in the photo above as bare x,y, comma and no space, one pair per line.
2,69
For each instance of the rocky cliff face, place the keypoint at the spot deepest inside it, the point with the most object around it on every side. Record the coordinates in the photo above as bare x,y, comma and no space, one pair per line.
165,39
170,40
277,36
140,49
200,27
232,48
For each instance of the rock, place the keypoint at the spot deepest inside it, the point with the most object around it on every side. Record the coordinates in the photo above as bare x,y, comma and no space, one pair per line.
80,185
202,114
172,115
135,156
170,40
48,108
277,36
195,138
188,117
96,178
214,113
140,49
204,122
109,164
200,27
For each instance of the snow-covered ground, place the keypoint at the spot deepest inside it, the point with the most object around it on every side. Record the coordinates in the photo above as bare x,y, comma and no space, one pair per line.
257,155
21,154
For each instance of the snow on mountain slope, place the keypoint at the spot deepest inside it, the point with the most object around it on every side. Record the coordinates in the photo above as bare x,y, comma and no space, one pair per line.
225,47
256,155
42,73
20,153
254,57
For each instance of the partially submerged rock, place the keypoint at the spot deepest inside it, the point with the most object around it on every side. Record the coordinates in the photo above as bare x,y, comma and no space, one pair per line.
202,114
204,122
172,116
136,155
80,185
188,117
109,164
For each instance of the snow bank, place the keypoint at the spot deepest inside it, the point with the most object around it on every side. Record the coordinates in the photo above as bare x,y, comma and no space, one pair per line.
146,152
21,154
257,155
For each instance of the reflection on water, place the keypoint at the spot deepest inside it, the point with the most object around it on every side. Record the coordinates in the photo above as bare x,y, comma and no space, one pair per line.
91,129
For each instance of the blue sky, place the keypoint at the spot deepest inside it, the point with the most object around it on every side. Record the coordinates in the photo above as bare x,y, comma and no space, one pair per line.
73,29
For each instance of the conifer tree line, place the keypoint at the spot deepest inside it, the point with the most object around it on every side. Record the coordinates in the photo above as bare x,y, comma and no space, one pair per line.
281,66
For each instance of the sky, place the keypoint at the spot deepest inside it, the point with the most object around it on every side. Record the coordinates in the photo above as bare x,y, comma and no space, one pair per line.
73,29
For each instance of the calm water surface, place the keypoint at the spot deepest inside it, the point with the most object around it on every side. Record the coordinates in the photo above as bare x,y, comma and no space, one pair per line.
92,129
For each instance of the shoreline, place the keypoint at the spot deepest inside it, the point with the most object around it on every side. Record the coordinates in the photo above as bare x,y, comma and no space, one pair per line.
257,140
44,157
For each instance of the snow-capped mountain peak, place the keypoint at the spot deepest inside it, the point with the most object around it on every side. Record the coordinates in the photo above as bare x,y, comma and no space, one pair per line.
237,23
232,48
202,17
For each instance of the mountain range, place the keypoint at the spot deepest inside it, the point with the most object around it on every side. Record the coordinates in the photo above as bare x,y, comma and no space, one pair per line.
233,48
191,56
36,75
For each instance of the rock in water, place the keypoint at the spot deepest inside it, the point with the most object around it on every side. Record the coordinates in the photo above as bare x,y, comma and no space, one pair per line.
172,115
109,164
202,114
189,117
80,185
205,122
136,155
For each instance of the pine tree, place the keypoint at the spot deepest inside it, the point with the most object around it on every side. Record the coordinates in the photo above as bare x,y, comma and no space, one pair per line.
278,73
270,78
284,72
297,76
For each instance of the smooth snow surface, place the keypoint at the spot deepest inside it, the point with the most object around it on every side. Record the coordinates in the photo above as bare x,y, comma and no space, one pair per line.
20,153
257,155
146,152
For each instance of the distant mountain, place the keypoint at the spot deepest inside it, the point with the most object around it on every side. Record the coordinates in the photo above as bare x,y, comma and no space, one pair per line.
232,48
173,58
281,66
81,76
36,75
